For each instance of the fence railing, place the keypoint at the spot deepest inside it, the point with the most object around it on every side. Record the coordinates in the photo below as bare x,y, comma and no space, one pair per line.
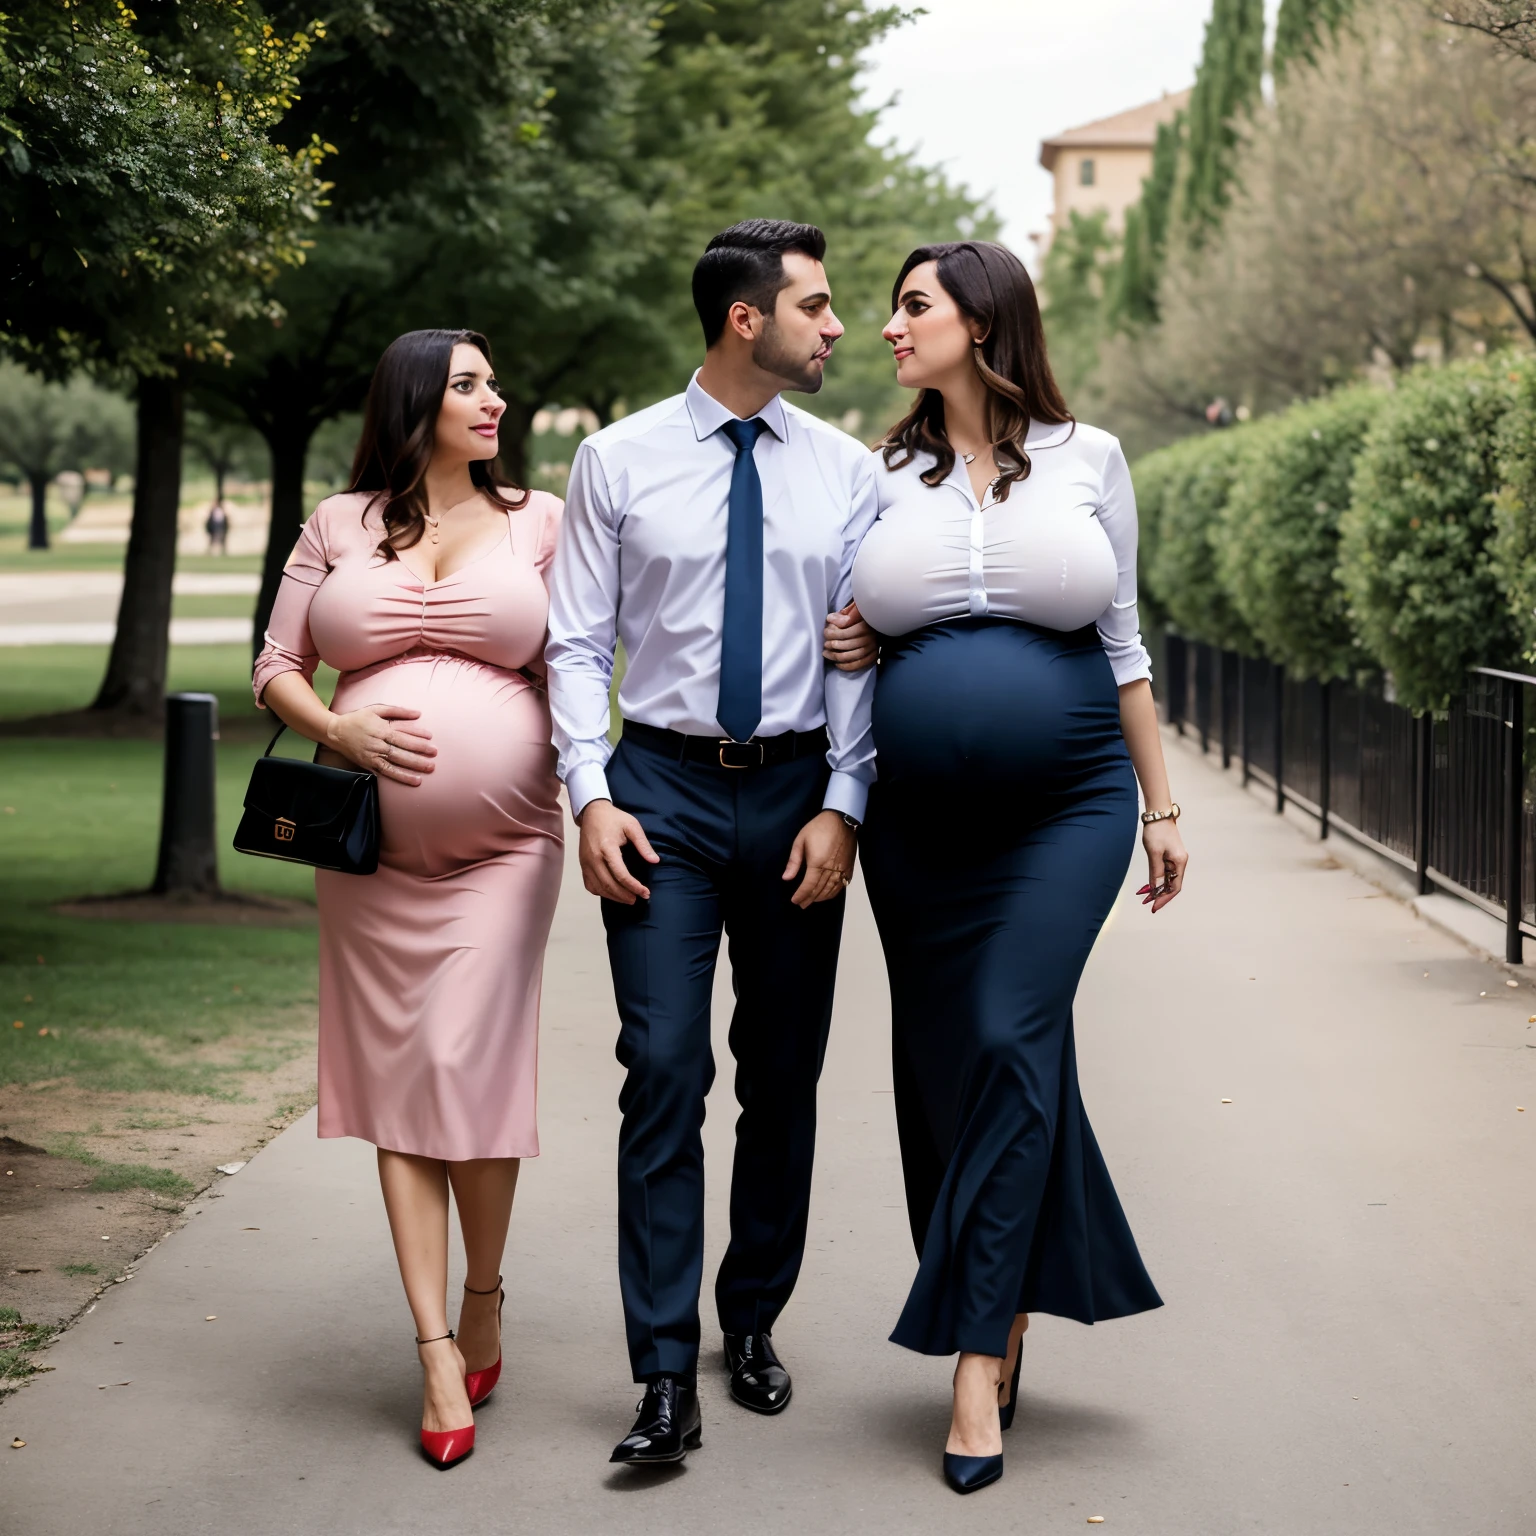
1449,799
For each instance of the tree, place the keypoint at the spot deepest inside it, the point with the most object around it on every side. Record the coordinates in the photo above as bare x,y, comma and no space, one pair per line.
44,428
752,107
1384,211
1132,298
223,446
1301,27
1078,268
144,206
549,174
449,208
1226,89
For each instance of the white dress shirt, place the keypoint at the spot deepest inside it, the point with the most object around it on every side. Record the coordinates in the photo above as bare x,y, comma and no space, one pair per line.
1059,552
641,560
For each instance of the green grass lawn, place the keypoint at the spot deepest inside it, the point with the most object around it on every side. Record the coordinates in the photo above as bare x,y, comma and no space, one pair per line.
132,1006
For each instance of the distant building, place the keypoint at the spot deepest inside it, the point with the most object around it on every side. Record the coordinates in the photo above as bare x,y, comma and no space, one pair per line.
1100,166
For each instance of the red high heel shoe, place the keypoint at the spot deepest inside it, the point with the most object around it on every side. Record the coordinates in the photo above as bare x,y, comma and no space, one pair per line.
480,1384
446,1448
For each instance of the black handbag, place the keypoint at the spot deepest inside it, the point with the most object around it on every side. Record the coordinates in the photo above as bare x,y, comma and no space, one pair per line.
307,813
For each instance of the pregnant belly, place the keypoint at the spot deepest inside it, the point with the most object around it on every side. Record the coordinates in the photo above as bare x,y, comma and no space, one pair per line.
989,702
493,788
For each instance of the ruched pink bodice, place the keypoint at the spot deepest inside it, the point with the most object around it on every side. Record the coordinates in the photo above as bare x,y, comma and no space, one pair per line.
430,968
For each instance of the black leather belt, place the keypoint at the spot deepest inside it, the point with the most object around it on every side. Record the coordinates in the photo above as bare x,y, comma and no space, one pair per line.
721,752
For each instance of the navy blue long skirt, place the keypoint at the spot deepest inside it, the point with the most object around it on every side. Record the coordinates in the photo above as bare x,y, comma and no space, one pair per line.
997,838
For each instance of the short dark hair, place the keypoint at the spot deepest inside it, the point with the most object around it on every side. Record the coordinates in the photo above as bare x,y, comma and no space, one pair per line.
746,263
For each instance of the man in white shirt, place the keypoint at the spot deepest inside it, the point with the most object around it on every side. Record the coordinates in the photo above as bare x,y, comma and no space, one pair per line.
712,534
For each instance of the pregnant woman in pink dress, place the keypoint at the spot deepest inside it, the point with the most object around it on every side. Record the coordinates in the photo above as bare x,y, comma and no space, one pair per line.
424,586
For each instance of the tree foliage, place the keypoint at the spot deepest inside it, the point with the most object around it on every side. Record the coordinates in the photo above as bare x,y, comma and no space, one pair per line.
1301,28
1077,267
142,201
48,427
1226,89
1415,553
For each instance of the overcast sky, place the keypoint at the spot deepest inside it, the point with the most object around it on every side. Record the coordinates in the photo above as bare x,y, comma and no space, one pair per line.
981,82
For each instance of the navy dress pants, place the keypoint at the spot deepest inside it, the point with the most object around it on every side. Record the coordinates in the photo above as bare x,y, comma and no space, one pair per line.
724,837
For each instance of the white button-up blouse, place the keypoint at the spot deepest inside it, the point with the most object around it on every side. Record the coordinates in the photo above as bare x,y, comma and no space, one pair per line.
1059,552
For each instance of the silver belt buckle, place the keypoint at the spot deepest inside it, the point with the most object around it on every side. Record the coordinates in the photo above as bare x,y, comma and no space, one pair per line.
726,744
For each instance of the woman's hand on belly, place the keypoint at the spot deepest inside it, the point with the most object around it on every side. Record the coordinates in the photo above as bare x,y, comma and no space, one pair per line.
377,738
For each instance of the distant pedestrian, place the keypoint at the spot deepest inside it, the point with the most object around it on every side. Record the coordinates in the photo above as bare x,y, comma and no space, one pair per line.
424,586
217,527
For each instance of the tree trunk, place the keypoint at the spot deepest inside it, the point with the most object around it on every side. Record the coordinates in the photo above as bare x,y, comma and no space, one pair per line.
135,680
289,445
37,531
512,441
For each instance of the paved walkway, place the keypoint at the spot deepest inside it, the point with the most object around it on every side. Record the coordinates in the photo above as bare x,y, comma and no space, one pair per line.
80,607
1347,1250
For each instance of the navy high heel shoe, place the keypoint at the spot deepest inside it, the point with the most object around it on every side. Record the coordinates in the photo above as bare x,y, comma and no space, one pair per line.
965,1474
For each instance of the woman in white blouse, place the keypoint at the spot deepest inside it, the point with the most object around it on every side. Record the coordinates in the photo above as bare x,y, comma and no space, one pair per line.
1013,717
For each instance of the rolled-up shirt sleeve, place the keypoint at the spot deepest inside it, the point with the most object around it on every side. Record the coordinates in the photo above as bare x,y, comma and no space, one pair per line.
850,695
583,629
1119,625
288,645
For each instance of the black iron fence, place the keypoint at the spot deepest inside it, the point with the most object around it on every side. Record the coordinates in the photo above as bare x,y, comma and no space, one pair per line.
1448,798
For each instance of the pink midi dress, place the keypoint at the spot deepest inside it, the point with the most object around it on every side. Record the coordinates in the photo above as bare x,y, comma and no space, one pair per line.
430,968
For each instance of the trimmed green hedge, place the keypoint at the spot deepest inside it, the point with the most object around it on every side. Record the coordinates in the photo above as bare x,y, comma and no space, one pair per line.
1414,545
1277,543
1390,530
1198,474
1514,540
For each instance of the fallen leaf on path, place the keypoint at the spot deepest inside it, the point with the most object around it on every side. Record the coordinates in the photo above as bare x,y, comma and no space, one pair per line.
1226,1101
105,1238
230,1167
1511,983
212,1317
1095,1519
1519,1109
16,1445
29,1269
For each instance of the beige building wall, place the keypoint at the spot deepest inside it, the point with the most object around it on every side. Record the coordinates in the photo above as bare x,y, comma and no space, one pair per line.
1100,166
1117,175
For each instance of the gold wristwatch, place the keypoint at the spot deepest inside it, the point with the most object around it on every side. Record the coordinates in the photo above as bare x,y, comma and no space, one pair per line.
1171,814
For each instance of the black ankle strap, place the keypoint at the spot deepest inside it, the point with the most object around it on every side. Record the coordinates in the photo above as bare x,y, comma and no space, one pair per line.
439,1339
493,1290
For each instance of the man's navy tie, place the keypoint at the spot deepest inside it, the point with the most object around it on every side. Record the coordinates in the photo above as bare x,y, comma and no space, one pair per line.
741,634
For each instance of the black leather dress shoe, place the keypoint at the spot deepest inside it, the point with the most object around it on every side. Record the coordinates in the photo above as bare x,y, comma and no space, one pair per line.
758,1378
667,1429
965,1474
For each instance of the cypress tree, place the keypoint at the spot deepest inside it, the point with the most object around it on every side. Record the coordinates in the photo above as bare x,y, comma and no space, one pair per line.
1300,27
1134,297
1226,84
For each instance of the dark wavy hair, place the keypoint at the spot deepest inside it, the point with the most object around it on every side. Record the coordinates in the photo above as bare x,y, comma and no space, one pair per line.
399,429
990,286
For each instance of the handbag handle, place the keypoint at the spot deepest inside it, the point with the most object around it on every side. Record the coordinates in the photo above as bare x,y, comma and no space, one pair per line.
283,727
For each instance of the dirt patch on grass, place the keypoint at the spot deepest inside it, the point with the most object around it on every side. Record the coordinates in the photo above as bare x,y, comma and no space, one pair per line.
89,1181
228,907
